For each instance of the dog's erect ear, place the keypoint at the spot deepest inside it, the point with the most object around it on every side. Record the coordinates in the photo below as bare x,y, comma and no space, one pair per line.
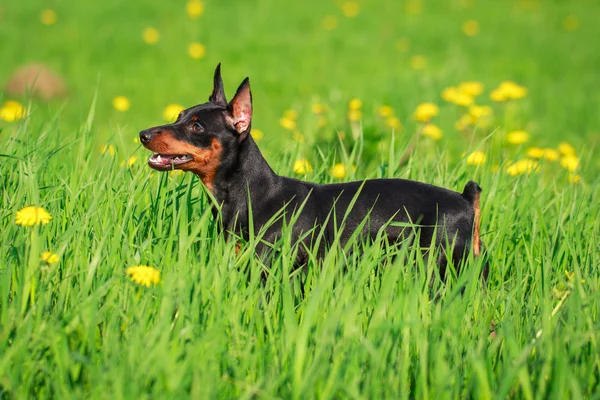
218,94
241,109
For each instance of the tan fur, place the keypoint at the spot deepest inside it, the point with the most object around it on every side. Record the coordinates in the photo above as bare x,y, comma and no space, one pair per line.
205,161
476,240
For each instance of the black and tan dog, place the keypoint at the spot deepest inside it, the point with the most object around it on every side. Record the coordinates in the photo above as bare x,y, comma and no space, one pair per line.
212,140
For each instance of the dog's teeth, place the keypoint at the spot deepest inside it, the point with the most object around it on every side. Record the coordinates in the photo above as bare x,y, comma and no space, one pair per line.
158,159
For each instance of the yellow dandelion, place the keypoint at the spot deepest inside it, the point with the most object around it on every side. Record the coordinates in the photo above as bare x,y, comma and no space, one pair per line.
302,166
136,139
196,50
129,162
551,154
571,23
425,112
256,134
463,122
517,137
535,152
498,95
287,123
194,9
32,215
171,112
470,27
291,114
173,173
476,158
49,258
338,171
48,17
512,90
574,178
402,44
477,112
151,35
570,163
418,62
522,167
121,103
355,104
12,110
354,115
330,22
566,149
449,94
385,111
143,275
393,122
463,99
432,132
317,108
108,149
472,88
350,9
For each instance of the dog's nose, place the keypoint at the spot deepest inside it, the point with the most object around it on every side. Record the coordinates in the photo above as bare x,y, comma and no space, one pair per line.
145,136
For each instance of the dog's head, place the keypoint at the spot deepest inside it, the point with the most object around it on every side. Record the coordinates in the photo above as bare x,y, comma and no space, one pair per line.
204,137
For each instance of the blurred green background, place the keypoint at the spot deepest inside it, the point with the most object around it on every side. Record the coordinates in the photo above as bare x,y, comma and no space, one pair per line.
383,52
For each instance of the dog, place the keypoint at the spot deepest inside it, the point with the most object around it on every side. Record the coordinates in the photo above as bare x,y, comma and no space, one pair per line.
213,141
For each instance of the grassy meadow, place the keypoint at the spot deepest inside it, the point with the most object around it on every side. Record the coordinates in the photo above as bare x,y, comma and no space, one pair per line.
505,93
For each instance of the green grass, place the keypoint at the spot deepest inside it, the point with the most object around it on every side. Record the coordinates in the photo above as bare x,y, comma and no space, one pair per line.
366,326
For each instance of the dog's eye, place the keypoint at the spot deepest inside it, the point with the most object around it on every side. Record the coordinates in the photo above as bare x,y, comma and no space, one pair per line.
197,128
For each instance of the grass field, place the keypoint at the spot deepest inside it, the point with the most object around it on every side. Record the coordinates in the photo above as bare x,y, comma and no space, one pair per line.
341,92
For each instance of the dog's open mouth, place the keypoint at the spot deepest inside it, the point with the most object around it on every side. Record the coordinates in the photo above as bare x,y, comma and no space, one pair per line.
166,162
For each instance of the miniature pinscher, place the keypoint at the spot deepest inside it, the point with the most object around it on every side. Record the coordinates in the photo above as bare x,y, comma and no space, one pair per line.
213,141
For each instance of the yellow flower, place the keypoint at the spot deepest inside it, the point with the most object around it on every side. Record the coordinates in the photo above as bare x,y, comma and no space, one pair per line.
32,215
458,96
302,166
108,149
517,137
498,95
551,154
171,112
472,88
354,115
317,108
476,158
121,103
463,99
338,171
432,131
393,122
196,50
256,134
350,9
329,22
571,23
512,91
12,110
463,122
574,178
290,114
538,153
402,44
173,173
566,149
48,17
144,275
470,27
194,9
49,258
449,94
287,123
570,163
129,162
522,167
355,104
418,62
151,35
477,112
426,111
385,111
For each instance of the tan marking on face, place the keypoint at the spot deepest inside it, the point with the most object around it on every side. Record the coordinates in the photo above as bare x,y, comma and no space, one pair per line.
476,239
205,162
194,118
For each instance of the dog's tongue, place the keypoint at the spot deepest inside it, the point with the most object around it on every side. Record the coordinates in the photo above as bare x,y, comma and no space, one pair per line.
168,160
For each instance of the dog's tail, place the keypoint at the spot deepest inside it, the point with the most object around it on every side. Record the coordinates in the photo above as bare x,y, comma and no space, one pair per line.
472,193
